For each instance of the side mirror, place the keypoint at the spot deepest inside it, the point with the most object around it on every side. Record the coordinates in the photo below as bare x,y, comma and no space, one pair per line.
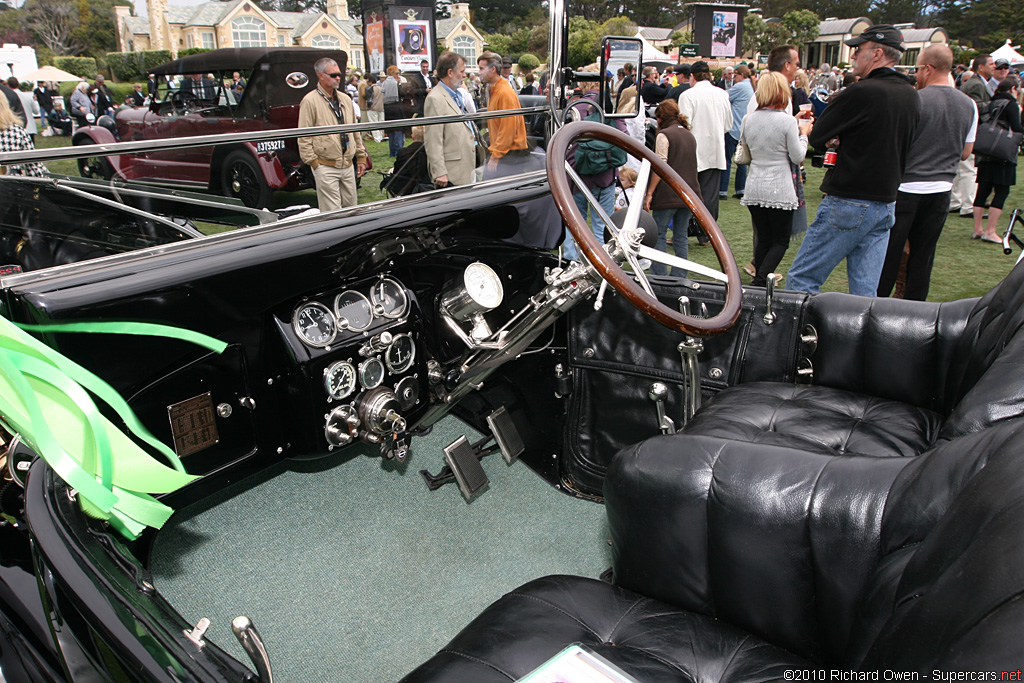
618,52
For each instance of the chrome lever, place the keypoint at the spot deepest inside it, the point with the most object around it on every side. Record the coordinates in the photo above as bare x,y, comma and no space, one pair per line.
689,349
769,295
657,394
250,640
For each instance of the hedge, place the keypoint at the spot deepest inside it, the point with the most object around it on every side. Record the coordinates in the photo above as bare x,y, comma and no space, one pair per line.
79,66
134,66
192,51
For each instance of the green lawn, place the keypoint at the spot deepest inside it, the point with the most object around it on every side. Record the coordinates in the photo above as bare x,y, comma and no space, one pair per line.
963,267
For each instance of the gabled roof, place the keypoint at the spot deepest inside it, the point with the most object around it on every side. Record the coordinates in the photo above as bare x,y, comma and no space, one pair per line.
839,26
210,13
446,26
351,28
656,33
138,26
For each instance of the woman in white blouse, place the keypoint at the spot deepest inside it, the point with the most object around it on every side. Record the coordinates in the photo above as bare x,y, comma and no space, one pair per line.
776,143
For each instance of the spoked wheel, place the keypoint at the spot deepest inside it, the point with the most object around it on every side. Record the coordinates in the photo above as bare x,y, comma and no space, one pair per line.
628,242
94,167
241,179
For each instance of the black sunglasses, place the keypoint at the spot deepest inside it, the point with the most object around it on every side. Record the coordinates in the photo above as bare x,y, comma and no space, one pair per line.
333,75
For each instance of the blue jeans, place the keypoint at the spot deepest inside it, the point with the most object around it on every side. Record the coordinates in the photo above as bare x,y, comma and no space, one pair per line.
854,229
679,219
396,141
741,170
605,196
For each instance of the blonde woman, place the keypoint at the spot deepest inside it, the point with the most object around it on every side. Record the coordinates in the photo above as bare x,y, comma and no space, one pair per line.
13,138
802,82
775,141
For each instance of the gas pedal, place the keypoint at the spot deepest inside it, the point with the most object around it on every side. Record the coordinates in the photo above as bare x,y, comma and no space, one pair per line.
506,434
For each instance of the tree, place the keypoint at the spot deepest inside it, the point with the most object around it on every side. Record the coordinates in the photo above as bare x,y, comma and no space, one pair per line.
899,11
54,22
528,62
803,25
761,36
96,31
504,16
583,42
686,37
618,26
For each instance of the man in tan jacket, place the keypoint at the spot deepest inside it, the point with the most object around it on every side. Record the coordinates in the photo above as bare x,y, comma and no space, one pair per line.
331,156
451,152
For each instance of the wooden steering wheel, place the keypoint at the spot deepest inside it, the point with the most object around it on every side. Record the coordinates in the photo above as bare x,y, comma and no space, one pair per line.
629,239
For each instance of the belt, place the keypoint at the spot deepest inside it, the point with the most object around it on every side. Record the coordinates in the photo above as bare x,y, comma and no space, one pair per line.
333,163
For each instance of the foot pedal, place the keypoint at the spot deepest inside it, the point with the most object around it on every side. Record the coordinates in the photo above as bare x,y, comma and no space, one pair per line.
462,460
506,434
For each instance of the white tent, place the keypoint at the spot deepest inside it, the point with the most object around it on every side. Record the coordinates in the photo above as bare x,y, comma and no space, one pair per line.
1004,52
653,55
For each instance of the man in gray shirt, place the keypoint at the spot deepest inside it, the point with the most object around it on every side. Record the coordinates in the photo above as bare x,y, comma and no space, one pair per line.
945,136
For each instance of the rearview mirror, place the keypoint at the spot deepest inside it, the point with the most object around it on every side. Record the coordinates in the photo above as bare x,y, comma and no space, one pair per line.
619,52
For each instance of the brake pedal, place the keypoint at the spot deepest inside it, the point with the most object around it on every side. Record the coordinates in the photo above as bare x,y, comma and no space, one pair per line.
466,467
506,434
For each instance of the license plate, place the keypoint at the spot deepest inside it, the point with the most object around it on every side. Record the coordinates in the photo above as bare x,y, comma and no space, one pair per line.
269,146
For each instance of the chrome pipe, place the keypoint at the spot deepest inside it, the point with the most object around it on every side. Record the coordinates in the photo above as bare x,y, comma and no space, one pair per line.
250,640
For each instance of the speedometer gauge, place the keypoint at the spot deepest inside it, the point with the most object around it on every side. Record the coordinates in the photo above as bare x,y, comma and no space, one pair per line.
314,324
353,310
483,285
340,379
400,353
389,299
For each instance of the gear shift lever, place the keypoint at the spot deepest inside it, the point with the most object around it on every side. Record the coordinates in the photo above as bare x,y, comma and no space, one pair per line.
657,394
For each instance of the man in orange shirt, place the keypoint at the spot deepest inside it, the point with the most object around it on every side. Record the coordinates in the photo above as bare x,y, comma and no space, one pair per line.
508,134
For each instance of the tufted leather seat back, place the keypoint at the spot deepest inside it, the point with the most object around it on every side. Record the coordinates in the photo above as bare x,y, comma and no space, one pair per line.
948,592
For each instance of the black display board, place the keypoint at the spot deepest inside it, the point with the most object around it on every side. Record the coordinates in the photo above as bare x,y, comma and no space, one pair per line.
718,29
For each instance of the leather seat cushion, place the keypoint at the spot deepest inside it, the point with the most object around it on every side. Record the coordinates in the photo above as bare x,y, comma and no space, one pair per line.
817,419
649,640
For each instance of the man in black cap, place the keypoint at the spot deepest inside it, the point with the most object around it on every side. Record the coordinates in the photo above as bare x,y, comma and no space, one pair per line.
1001,69
871,125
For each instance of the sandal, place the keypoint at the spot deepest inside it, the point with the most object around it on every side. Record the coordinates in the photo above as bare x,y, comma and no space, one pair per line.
986,238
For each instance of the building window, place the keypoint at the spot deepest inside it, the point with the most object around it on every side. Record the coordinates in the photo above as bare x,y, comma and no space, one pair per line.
465,46
248,32
188,41
208,41
280,40
326,40
357,58
910,57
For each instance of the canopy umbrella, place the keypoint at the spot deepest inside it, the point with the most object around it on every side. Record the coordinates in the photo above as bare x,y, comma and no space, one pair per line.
49,73
1007,52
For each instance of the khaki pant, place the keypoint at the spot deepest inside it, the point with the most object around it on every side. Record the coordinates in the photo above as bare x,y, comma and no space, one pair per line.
376,116
964,186
335,187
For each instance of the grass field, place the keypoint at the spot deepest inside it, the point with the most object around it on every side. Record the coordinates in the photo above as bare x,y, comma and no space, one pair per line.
963,267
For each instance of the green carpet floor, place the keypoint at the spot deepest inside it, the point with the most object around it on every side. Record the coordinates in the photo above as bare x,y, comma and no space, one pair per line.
353,571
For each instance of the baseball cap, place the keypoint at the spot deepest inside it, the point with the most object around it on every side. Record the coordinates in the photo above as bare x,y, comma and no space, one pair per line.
700,67
1002,63
883,34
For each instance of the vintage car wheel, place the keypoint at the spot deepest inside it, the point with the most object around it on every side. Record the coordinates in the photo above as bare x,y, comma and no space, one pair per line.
629,240
94,167
241,179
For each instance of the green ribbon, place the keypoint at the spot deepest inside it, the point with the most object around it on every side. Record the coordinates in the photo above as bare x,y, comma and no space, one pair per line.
47,399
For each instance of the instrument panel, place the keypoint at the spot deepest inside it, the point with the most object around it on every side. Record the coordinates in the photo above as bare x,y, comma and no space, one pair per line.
360,359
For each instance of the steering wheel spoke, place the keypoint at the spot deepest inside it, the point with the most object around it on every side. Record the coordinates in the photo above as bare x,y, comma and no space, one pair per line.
681,263
638,291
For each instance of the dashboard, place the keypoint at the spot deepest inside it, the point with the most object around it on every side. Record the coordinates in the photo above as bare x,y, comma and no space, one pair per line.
358,368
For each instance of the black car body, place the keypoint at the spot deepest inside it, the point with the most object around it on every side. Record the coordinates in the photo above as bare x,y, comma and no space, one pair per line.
350,335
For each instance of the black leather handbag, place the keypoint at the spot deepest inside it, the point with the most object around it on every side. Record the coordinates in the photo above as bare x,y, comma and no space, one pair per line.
995,141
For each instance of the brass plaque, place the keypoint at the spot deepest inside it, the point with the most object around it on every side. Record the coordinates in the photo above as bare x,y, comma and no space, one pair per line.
193,424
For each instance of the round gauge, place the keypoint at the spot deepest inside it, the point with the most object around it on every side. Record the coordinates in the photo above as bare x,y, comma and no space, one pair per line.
389,298
353,311
314,324
400,353
371,373
340,379
408,392
483,285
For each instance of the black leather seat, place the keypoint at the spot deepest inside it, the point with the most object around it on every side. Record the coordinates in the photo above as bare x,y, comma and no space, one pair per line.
891,377
737,562
743,547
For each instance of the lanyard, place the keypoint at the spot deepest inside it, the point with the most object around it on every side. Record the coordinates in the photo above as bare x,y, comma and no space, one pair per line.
333,103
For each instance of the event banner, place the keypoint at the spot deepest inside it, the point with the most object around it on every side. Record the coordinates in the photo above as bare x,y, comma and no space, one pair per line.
723,34
412,40
375,42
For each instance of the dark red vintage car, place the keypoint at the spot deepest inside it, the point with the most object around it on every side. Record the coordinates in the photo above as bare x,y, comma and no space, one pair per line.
278,78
